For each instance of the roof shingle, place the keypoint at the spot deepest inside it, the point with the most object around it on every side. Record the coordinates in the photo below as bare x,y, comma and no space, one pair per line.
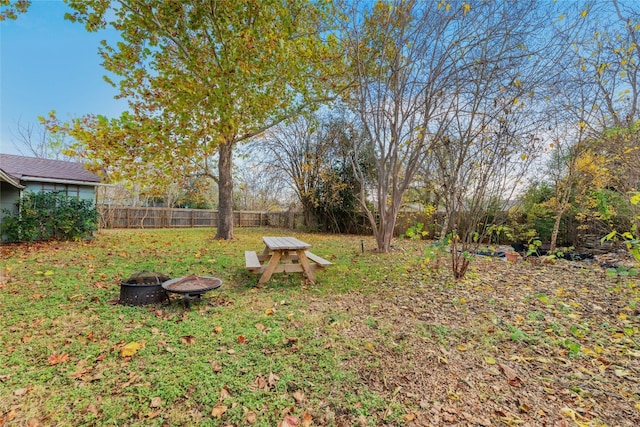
32,168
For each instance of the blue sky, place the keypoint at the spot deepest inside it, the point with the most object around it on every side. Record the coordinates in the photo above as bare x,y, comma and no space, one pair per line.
48,63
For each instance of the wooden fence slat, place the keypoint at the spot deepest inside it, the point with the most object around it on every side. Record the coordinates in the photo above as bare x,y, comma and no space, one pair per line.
153,217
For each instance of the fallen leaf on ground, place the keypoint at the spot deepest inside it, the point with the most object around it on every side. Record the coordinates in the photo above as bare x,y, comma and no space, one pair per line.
130,349
251,417
307,421
218,411
273,379
188,339
299,396
289,421
156,402
225,393
260,384
512,376
56,358
91,408
215,366
22,391
409,417
132,378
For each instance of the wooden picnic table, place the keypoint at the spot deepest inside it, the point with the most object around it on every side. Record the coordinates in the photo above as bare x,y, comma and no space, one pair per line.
284,254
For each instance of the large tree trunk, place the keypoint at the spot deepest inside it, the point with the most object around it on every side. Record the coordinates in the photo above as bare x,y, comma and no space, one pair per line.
384,235
307,210
225,192
388,215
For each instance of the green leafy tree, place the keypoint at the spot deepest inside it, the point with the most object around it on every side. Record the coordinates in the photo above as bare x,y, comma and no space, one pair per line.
202,76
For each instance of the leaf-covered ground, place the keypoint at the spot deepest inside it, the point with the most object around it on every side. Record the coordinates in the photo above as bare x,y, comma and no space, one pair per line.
381,339
514,345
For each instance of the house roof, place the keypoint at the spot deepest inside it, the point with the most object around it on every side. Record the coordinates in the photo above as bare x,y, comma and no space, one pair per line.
5,177
22,168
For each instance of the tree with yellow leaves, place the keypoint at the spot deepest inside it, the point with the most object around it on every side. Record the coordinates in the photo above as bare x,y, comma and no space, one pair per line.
202,76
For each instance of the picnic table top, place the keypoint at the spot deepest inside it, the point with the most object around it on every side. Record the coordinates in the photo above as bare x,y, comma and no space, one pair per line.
285,243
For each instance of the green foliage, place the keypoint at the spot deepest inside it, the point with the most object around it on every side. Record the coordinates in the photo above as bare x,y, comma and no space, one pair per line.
533,246
538,214
336,207
202,77
501,233
434,253
630,238
47,216
415,232
622,271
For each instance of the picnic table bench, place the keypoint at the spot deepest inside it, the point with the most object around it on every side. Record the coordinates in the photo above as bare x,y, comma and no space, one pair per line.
284,255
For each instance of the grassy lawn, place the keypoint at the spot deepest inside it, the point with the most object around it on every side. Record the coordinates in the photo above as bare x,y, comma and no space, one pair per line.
380,339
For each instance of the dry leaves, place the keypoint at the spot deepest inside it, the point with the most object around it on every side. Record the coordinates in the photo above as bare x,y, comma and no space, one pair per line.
215,366
188,339
299,396
156,402
56,358
534,338
289,421
218,411
267,384
225,393
512,376
250,417
22,391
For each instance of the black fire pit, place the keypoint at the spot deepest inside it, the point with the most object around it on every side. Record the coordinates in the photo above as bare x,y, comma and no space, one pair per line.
191,286
143,287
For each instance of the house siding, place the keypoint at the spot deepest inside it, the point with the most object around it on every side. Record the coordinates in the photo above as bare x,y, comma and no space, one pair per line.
8,196
82,192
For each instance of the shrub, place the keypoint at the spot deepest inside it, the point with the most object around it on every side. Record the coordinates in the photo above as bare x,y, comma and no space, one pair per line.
47,216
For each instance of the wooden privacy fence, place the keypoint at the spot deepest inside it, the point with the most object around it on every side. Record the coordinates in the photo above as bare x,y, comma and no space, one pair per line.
159,217
152,217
